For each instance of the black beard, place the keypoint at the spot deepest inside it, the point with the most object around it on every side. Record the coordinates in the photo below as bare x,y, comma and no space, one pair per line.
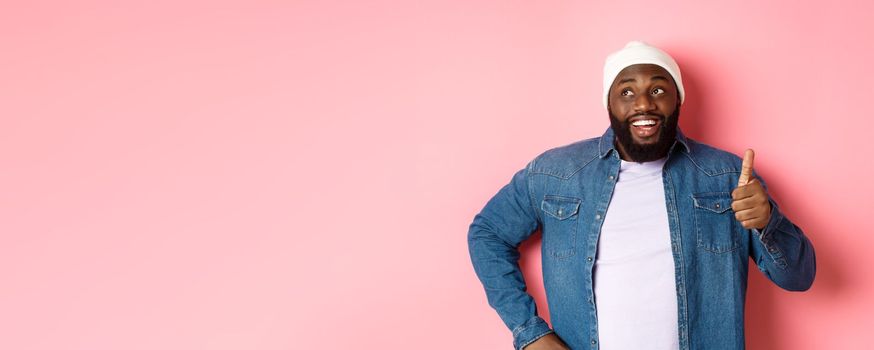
646,153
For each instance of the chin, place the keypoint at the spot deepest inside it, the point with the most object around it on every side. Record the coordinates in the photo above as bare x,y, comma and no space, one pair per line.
654,140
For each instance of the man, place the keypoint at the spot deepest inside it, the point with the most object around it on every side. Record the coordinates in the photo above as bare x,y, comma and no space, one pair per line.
647,234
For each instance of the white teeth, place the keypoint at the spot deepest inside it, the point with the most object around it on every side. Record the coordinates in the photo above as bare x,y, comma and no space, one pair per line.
644,122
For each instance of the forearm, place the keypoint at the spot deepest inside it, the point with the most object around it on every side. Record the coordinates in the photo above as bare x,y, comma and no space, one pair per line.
495,262
783,253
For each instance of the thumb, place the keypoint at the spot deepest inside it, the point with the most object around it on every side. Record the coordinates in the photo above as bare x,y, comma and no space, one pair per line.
746,170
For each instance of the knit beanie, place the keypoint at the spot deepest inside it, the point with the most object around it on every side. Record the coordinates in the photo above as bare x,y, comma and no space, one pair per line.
637,52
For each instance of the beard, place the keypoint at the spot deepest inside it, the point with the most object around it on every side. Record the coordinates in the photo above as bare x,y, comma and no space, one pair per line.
649,152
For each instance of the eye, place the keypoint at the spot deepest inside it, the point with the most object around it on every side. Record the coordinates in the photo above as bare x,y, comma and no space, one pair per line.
658,91
626,92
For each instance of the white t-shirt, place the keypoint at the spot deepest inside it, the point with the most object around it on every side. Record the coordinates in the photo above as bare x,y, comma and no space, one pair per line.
635,289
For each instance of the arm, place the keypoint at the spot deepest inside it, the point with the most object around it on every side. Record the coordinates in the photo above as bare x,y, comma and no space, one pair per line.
506,221
779,248
782,251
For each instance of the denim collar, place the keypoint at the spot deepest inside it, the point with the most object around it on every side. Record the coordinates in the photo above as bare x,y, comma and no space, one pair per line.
605,144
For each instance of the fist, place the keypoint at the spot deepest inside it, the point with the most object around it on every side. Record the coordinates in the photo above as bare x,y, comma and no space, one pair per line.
749,200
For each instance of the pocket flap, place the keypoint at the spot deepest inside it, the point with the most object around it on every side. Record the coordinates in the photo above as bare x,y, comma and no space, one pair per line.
717,202
560,207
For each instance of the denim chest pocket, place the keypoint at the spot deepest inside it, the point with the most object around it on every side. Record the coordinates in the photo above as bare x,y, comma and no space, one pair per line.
560,224
715,223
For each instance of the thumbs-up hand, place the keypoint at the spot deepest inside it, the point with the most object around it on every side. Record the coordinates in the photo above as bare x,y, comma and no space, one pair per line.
750,201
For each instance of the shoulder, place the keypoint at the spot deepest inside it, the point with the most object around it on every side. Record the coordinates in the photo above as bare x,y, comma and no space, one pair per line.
712,160
565,161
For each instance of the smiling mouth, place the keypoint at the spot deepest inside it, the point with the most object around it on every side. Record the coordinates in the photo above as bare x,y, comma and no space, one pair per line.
645,126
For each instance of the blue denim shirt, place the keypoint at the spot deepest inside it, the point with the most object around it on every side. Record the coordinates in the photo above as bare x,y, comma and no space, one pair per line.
565,193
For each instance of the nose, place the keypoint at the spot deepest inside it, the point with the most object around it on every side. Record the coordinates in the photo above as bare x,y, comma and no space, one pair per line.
644,103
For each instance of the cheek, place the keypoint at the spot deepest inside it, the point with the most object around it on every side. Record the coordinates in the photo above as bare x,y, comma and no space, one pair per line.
668,106
618,107
671,102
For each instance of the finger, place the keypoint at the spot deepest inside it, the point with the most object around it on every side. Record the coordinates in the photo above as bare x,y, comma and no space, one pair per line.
752,188
743,204
739,193
754,223
745,215
753,202
742,192
746,169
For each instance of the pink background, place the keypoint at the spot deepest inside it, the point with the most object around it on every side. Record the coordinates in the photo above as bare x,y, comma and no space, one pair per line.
274,175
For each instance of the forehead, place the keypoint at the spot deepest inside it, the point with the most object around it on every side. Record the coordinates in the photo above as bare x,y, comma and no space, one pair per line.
642,73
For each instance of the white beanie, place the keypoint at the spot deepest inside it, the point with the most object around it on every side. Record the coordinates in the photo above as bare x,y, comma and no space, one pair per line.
637,52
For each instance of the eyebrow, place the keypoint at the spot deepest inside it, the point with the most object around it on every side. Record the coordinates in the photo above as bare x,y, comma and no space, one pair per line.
629,80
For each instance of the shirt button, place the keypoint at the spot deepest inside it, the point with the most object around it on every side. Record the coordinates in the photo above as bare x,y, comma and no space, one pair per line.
559,212
597,216
589,259
610,177
717,205
594,342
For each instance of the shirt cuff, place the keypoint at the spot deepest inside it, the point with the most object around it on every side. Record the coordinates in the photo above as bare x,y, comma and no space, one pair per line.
766,234
528,332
